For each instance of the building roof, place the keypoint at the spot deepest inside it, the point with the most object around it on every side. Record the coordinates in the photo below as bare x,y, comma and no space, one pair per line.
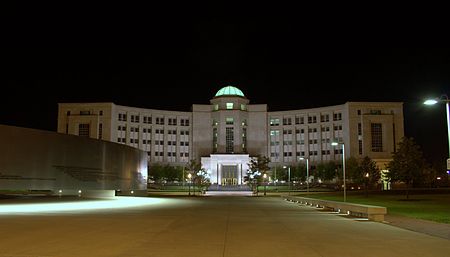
229,91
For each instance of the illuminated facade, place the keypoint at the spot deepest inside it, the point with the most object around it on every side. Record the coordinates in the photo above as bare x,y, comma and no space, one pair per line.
67,165
229,130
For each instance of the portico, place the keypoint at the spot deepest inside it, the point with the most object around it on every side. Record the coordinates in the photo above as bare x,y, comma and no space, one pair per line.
226,169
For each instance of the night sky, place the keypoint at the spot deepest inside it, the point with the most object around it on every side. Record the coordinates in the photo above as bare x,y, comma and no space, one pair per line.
167,59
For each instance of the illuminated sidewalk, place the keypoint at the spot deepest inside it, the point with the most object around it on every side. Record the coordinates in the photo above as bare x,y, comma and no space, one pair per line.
202,226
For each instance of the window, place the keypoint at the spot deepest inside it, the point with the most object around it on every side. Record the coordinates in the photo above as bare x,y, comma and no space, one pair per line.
100,131
337,116
377,137
375,112
324,118
122,117
229,140
244,140
325,129
287,121
274,132
68,113
173,121
312,119
184,122
148,119
215,140
359,112
83,130
287,132
359,129
338,127
299,120
274,122
101,113
229,106
243,107
135,118
216,107
85,112
229,121
160,121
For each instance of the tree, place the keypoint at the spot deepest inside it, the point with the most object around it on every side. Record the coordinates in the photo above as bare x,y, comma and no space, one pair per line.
193,168
298,173
326,170
202,180
258,166
370,173
407,164
156,173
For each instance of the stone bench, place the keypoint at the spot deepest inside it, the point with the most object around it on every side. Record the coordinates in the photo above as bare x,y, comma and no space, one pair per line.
372,212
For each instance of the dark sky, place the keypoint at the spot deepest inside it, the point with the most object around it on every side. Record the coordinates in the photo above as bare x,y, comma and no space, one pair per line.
163,58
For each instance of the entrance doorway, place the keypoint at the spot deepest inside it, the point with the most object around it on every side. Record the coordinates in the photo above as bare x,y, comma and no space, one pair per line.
229,175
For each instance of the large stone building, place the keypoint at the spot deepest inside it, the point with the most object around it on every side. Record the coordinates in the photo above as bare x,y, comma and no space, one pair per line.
227,132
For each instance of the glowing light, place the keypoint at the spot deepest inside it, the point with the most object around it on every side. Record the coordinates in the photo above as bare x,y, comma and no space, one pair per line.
438,178
430,102
132,191
79,206
79,191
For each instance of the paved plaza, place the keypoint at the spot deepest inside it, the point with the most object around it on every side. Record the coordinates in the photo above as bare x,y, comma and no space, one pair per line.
207,226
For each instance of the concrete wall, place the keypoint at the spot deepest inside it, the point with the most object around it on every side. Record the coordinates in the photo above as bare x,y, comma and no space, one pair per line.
33,159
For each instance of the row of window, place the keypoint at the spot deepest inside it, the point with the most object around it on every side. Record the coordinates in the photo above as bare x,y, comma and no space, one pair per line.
311,153
302,131
149,130
301,119
158,120
170,154
149,141
302,141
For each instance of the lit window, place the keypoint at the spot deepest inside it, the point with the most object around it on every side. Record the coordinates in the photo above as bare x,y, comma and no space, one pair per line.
229,121
243,107
229,106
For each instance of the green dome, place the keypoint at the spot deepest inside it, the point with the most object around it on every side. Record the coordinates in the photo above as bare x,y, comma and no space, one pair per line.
229,90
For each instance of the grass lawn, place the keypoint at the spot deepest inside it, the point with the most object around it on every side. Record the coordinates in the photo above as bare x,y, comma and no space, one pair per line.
434,207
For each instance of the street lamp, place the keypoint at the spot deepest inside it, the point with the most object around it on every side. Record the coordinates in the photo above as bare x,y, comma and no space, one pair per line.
307,174
444,99
343,166
265,184
190,182
289,178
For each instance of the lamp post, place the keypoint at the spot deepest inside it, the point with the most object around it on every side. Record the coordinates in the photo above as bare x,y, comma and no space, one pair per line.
289,178
343,166
307,174
190,182
444,99
265,184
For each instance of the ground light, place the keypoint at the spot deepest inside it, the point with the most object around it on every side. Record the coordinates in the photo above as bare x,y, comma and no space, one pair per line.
79,206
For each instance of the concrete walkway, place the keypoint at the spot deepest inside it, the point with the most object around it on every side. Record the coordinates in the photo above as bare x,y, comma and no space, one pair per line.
423,226
209,226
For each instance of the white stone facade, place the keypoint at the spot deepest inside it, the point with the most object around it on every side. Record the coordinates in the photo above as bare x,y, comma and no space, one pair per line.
229,125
